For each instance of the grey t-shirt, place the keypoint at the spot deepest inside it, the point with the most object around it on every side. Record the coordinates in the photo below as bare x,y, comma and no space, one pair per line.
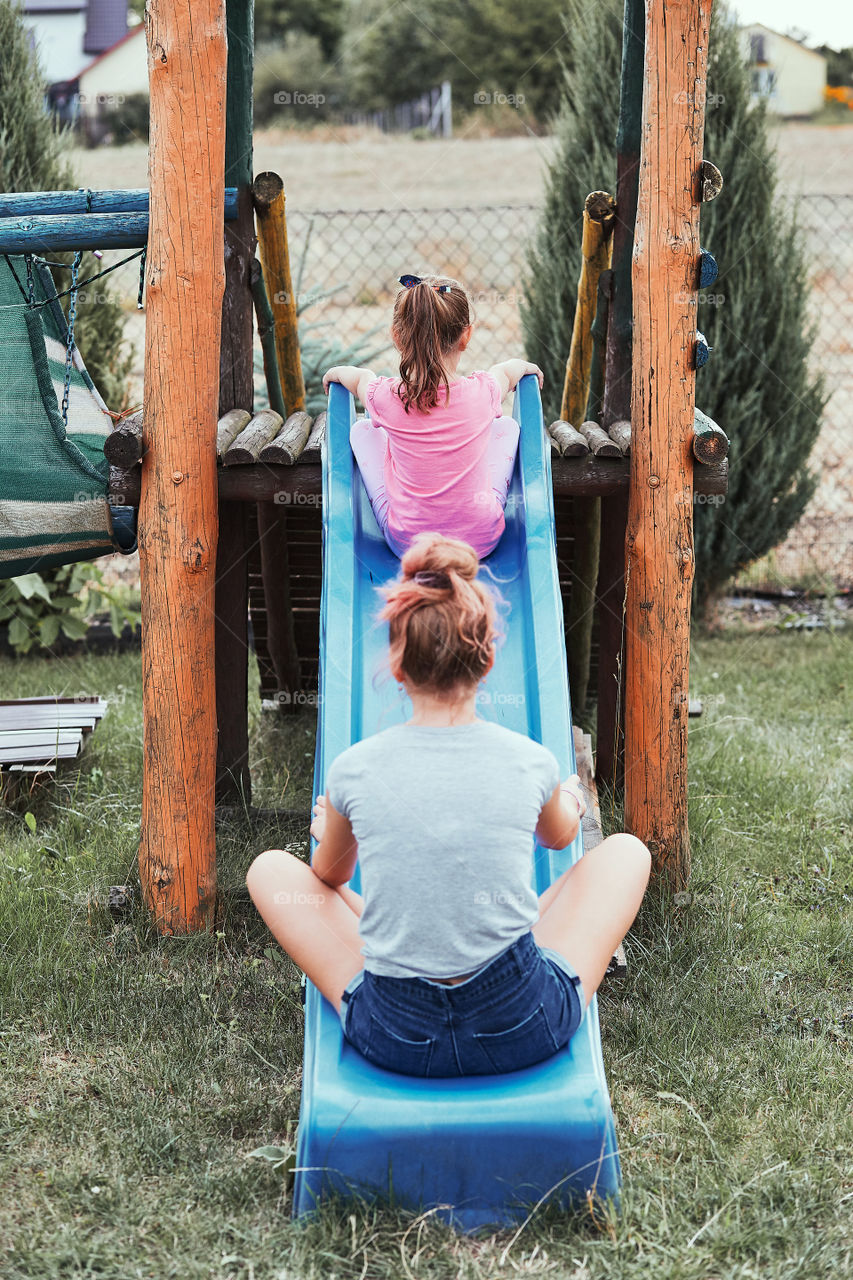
444,818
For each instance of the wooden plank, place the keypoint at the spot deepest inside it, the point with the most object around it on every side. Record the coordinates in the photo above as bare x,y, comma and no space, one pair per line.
44,735
22,746
20,718
301,487
82,700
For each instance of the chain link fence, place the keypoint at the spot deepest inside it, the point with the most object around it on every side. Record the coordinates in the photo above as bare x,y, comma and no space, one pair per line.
819,550
362,251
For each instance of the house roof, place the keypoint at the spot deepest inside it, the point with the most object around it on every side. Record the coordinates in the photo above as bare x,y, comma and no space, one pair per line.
106,23
53,6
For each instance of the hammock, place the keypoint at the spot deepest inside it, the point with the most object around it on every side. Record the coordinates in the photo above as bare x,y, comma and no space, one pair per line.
53,478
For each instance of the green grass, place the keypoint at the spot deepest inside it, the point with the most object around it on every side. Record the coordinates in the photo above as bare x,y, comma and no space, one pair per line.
138,1072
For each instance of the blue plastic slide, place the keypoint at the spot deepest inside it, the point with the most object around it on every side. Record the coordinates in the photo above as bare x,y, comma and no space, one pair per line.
486,1148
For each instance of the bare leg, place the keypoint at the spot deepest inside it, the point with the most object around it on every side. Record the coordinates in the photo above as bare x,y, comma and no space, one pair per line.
586,913
503,446
316,924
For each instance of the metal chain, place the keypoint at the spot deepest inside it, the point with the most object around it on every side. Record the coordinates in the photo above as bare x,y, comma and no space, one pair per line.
31,284
69,349
141,280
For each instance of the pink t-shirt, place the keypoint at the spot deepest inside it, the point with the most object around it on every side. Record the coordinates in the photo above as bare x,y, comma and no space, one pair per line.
436,472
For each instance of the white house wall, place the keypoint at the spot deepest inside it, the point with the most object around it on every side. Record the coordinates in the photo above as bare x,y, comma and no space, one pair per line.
58,37
800,73
118,74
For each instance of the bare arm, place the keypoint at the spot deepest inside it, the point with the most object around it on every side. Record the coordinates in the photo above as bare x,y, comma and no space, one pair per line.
351,376
337,849
509,373
561,814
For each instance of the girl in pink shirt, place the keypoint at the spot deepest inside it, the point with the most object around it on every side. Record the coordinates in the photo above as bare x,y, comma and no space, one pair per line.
435,453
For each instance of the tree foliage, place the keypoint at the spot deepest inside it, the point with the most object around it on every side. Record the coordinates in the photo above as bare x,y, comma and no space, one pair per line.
758,384
324,19
489,50
31,145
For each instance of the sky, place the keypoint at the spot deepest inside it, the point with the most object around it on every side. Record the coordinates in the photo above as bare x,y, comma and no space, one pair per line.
824,21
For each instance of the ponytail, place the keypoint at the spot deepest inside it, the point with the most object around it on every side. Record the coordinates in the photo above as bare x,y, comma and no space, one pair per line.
426,326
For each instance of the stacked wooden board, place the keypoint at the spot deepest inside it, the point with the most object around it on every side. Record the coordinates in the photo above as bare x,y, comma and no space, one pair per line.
38,734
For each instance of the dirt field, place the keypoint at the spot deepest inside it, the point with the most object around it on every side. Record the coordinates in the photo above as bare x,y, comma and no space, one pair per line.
375,171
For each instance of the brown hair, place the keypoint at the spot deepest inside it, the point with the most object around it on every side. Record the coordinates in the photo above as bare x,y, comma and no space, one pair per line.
426,326
441,621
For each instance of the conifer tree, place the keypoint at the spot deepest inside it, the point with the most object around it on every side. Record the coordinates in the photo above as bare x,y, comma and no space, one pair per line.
758,385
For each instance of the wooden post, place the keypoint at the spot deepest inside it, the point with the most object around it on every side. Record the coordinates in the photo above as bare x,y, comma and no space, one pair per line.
178,512
595,258
236,391
659,548
586,512
268,193
617,402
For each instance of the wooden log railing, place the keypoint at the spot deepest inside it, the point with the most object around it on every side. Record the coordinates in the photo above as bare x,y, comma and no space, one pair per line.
246,448
291,440
277,459
60,232
22,204
600,444
710,443
569,442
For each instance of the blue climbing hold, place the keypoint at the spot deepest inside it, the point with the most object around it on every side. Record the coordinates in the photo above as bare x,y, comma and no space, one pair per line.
708,269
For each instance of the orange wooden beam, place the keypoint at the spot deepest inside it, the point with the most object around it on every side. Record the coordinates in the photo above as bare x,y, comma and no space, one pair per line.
178,512
659,543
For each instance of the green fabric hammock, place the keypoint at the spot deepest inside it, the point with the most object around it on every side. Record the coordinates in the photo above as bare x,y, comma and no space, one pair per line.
53,480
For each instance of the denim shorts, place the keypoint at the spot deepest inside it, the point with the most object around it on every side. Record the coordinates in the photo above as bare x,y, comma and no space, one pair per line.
522,1007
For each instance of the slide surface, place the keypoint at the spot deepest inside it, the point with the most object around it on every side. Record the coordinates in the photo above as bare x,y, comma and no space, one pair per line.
485,1148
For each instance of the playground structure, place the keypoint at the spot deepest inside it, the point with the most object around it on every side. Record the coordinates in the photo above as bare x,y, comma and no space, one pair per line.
629,466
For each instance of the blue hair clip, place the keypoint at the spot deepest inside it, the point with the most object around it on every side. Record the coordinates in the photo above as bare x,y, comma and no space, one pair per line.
409,282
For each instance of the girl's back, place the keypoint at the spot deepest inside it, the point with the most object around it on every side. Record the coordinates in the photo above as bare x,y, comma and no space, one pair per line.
436,466
444,891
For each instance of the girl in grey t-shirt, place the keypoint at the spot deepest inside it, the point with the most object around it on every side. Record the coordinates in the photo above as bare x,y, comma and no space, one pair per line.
448,963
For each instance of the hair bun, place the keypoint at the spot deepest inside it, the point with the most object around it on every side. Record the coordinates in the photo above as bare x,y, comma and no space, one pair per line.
438,557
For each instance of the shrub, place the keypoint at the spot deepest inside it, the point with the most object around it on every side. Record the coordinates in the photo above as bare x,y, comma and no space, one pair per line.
758,384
